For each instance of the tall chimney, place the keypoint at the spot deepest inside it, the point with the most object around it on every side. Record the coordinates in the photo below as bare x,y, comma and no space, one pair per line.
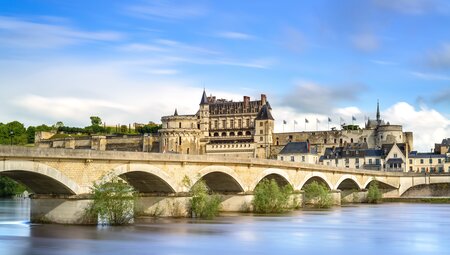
263,99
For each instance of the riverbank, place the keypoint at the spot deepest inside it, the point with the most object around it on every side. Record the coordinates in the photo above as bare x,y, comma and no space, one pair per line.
428,200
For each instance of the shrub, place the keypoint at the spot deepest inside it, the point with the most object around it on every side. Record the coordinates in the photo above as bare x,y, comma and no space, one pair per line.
9,187
317,195
202,204
113,202
269,197
374,194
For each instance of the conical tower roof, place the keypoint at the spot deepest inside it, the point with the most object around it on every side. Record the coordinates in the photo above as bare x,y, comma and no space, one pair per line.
204,98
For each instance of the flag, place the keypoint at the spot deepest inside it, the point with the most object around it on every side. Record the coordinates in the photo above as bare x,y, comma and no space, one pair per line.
295,122
306,120
353,118
284,122
329,119
318,121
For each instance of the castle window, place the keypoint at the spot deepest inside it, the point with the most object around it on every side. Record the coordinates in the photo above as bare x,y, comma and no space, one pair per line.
239,133
261,124
351,140
216,134
324,141
410,161
239,123
179,125
340,141
224,124
248,133
232,123
261,139
179,141
247,123
260,132
224,134
231,133
335,140
216,124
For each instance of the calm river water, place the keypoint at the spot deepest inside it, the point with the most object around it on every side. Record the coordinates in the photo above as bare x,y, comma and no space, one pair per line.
362,229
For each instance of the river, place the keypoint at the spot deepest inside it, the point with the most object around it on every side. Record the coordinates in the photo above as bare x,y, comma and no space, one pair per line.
360,229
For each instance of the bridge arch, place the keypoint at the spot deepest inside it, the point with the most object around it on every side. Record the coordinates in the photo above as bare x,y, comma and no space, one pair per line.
220,179
382,184
280,176
348,181
316,176
144,178
40,178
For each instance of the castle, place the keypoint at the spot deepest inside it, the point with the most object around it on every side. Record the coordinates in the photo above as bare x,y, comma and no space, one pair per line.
237,129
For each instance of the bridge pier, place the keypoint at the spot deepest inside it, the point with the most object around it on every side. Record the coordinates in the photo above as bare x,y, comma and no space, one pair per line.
61,210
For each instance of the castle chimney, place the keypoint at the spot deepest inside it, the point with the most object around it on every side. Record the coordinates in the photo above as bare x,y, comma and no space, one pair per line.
263,99
246,101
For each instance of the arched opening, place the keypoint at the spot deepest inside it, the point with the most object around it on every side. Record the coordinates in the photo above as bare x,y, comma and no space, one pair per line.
317,179
383,187
145,182
224,134
216,134
220,182
39,183
239,133
231,133
248,133
348,184
281,181
428,190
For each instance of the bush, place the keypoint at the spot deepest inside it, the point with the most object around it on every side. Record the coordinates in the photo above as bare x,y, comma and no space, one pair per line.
374,195
317,195
269,197
113,202
202,204
9,187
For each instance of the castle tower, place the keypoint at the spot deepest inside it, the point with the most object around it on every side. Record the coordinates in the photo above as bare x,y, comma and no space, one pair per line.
203,124
264,126
378,111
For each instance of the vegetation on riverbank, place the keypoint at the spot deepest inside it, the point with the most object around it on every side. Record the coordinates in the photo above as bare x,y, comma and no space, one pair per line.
113,202
374,195
269,197
9,187
317,195
203,204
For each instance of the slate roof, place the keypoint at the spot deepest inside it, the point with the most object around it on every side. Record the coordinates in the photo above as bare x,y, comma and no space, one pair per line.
204,98
415,154
296,148
264,113
394,160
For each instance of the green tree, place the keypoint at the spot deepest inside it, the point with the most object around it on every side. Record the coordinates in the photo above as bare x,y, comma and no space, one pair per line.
374,195
269,197
14,132
203,204
318,195
113,202
9,187
149,128
96,121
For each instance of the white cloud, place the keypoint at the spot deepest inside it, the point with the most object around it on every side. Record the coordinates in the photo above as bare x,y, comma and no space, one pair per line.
429,126
164,10
234,35
22,33
430,76
365,41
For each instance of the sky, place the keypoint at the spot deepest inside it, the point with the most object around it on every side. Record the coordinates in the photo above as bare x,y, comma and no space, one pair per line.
135,61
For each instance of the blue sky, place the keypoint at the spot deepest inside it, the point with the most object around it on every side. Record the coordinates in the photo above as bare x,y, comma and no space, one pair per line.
134,61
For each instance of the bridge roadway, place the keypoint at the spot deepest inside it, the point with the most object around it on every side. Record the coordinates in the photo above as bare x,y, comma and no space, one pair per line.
69,174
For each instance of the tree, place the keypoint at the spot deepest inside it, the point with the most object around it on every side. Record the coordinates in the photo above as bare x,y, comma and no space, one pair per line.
203,204
59,124
374,195
9,187
14,132
318,195
96,121
113,202
149,128
269,197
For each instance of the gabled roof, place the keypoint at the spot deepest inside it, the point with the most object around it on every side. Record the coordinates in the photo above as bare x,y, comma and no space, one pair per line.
296,148
264,113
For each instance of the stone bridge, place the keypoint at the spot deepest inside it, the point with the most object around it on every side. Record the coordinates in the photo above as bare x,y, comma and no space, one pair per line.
67,174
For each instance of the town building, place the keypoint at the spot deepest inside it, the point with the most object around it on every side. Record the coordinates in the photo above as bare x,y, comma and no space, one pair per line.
299,152
428,162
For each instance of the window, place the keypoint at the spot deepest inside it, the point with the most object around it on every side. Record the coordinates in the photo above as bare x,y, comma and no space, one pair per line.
335,140
179,125
439,161
441,169
377,161
347,161
216,124
357,160
324,141
421,161
247,122
431,161
351,140
261,139
365,140
290,137
370,161
395,155
179,142
423,170
232,123
410,161
261,124
261,132
239,123
303,158
282,158
292,158
224,124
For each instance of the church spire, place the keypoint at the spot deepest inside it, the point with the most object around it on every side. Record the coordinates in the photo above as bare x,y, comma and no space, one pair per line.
204,98
176,112
378,111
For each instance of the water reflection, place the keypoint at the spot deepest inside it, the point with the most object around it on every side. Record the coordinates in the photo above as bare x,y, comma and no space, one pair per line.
363,229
